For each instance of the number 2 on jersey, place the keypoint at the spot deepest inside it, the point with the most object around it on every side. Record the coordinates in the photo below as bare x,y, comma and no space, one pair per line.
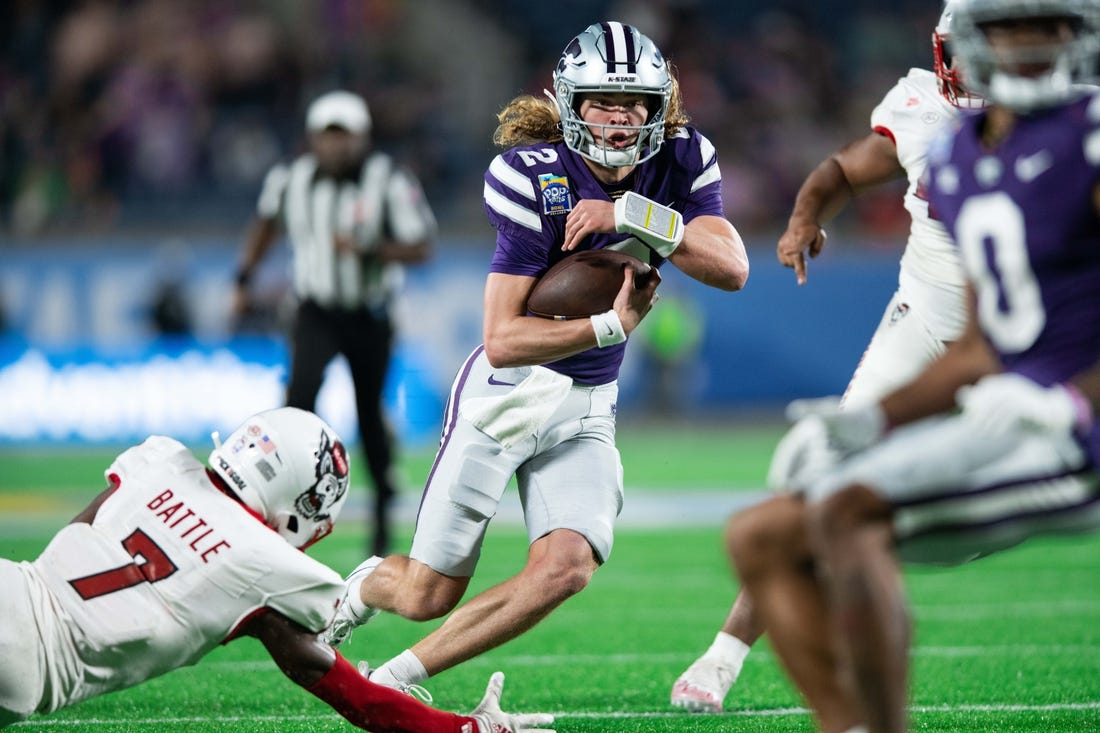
155,566
533,157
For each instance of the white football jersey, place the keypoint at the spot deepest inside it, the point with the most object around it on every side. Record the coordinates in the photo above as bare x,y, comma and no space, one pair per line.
913,113
168,570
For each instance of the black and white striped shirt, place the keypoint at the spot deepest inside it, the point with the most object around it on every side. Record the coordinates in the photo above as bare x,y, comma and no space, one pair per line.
386,202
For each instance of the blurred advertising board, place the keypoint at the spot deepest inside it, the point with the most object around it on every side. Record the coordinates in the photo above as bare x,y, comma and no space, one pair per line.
82,358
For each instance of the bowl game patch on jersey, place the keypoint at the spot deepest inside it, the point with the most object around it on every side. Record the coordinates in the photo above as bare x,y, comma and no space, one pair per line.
556,197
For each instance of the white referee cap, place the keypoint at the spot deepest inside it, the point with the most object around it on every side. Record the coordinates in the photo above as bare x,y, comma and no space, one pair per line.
339,109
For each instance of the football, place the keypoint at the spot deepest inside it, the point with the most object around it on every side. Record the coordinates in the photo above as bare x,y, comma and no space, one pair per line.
584,284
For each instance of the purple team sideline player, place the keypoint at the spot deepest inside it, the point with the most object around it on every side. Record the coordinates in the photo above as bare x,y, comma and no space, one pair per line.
607,161
993,443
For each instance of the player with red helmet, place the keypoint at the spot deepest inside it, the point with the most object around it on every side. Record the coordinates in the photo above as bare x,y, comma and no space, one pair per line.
925,313
996,441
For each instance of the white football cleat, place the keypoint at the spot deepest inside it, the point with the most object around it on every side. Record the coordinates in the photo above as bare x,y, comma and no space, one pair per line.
346,619
703,686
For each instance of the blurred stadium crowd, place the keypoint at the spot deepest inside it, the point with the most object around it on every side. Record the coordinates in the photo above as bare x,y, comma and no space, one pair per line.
122,116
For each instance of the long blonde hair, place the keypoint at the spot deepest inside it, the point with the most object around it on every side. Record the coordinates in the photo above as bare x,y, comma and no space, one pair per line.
527,119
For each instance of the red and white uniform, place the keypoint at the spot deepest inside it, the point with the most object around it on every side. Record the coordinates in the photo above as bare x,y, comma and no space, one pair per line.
929,307
168,570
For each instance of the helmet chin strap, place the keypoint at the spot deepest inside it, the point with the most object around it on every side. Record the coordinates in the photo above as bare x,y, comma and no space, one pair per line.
609,157
1023,94
612,157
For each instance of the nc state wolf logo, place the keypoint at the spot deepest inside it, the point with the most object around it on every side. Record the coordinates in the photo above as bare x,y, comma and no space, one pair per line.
331,483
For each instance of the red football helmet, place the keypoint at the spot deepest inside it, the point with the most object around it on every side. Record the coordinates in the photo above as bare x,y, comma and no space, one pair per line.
951,84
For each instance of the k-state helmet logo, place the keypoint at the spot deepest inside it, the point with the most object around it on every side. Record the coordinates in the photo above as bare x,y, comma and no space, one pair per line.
571,55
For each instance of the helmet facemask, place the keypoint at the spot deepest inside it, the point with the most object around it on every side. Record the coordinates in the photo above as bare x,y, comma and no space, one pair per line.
612,58
1026,77
950,80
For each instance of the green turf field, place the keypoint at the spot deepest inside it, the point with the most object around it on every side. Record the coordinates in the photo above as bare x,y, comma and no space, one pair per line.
1007,644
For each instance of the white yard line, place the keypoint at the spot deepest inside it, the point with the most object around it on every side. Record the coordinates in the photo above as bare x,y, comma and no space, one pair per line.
561,715
534,660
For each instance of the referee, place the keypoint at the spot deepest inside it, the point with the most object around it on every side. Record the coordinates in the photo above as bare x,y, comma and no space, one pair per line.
352,218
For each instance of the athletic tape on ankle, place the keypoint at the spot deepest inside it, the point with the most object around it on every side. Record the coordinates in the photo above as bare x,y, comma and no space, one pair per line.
660,227
608,328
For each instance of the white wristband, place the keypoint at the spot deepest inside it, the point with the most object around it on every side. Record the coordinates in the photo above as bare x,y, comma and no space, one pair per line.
608,328
660,227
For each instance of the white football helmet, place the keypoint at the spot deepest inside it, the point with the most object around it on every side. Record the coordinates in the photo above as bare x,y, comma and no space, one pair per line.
288,466
612,57
951,85
992,74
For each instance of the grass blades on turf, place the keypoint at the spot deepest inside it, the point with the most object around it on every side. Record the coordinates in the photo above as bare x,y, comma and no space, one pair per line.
1009,643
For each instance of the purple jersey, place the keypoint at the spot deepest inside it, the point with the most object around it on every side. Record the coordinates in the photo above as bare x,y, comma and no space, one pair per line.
1024,219
530,190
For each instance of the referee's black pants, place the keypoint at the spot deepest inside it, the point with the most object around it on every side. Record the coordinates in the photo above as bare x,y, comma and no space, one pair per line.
365,338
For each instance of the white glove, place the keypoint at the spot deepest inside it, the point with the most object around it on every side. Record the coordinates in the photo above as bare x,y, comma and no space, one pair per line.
823,435
848,429
491,719
1001,403
801,454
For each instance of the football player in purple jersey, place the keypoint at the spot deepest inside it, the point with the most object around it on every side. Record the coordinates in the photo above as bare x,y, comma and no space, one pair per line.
926,312
993,443
607,161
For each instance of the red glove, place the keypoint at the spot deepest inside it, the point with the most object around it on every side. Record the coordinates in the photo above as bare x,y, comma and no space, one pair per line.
382,709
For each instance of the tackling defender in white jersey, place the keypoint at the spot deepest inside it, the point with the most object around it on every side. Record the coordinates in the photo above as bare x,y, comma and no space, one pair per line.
995,442
174,559
925,313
